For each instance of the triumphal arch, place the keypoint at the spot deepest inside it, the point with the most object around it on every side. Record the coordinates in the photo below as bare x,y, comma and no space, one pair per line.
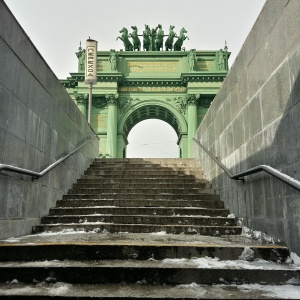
149,79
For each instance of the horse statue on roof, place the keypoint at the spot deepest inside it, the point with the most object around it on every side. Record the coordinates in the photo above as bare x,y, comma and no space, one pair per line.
159,38
124,38
152,39
135,39
146,38
169,41
181,38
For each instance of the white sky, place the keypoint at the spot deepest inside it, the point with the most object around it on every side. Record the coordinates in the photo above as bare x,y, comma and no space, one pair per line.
57,26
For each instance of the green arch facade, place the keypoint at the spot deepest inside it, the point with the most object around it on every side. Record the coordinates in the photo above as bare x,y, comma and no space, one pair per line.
147,85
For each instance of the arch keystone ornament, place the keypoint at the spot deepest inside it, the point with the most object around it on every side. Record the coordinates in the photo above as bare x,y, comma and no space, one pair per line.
175,86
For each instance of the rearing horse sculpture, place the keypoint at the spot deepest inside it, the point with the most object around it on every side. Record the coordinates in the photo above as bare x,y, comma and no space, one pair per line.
169,41
135,39
146,38
159,38
181,38
124,38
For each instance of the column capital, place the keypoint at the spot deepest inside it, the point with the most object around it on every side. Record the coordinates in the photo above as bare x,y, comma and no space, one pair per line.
192,99
80,98
112,99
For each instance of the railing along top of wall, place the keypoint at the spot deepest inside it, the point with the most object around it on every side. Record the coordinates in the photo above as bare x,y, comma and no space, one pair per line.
240,176
36,175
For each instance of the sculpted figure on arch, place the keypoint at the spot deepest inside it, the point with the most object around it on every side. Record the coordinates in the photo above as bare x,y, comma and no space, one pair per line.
124,38
192,59
135,39
152,39
81,58
113,60
169,41
146,38
182,37
159,38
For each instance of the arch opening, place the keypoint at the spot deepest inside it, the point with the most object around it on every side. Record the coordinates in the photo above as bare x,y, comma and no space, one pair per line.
160,111
151,112
152,138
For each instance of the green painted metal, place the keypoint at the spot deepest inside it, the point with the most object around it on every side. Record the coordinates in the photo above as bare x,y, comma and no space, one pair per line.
174,86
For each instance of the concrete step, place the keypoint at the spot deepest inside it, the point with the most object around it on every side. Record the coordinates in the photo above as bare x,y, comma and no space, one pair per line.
142,190
100,227
142,173
143,196
139,246
125,180
141,185
154,161
142,290
154,272
84,202
145,165
165,211
107,250
140,219
143,177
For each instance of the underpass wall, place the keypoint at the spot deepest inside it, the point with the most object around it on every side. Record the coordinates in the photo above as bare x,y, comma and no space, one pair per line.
39,123
254,120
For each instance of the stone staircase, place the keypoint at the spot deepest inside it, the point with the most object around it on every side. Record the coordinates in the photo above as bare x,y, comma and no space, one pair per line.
140,196
143,229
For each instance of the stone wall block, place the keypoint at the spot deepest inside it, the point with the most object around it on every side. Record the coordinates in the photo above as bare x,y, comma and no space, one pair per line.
32,197
256,151
13,152
294,62
277,41
293,234
255,118
292,140
40,101
227,115
15,194
3,195
229,140
44,200
32,128
238,131
222,143
32,158
16,118
275,96
253,80
243,90
219,121
10,66
4,105
2,142
211,135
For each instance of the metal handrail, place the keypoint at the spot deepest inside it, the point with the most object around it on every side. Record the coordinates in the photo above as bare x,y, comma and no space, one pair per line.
36,175
240,176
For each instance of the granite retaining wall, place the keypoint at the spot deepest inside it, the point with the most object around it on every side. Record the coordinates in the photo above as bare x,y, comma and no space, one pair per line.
254,120
39,123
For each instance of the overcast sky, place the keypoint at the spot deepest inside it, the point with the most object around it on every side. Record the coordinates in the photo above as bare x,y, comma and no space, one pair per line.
56,28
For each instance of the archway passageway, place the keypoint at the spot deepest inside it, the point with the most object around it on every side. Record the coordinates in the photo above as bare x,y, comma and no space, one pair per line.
152,139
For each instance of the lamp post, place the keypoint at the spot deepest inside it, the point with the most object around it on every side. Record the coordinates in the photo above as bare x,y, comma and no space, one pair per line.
90,70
